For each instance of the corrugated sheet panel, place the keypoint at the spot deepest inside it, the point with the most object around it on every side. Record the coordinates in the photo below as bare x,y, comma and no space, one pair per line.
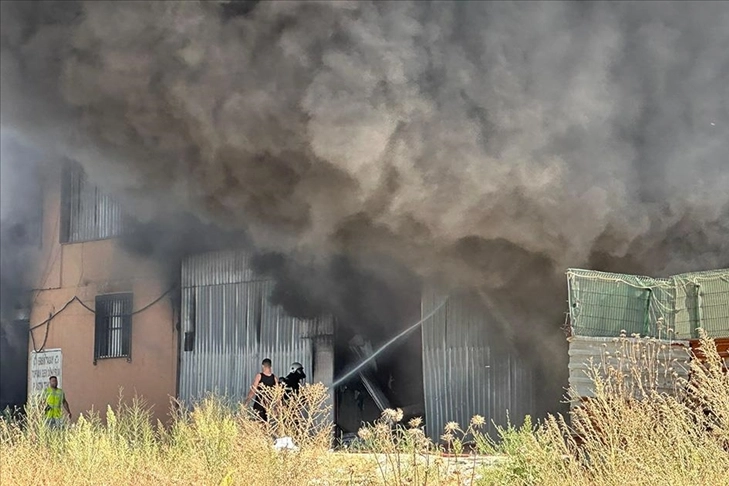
88,212
606,304
588,353
217,268
235,327
465,372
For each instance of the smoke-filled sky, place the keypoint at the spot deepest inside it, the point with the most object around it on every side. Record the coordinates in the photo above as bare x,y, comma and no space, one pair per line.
492,144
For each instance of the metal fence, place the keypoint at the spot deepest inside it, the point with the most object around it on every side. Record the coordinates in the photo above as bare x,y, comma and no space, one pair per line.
607,304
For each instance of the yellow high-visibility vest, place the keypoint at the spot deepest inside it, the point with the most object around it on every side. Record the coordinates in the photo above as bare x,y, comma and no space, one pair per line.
54,402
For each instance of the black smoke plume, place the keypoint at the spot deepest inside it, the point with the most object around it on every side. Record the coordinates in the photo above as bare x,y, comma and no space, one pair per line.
485,145
20,242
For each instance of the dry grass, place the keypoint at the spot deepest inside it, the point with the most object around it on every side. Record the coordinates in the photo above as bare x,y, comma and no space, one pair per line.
628,434
211,444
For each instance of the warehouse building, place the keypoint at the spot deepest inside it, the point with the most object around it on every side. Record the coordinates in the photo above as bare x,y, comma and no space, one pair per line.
105,319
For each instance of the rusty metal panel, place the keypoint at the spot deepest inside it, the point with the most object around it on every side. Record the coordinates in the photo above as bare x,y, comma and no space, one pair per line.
233,327
588,355
467,371
722,347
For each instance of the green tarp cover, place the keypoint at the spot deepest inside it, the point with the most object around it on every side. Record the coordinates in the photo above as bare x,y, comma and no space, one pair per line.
608,304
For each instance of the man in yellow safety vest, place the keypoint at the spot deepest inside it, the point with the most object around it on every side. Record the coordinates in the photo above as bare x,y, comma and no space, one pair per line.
55,399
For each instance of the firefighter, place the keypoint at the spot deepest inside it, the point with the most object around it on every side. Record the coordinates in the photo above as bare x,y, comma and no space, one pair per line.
293,380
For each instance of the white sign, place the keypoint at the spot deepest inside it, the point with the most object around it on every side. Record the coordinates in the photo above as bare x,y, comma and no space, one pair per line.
42,366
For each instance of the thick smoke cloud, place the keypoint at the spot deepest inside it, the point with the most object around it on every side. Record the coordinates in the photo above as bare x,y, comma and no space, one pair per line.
484,144
20,225
20,233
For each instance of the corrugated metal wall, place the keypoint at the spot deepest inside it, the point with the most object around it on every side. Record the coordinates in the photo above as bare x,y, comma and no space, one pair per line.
585,353
227,308
467,372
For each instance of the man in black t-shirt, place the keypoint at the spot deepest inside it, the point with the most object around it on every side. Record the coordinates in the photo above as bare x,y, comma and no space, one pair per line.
265,378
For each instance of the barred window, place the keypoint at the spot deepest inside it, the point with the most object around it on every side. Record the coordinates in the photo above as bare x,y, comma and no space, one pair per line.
87,213
113,335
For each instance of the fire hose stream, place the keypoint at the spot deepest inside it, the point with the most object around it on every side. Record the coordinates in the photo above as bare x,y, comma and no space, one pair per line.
382,348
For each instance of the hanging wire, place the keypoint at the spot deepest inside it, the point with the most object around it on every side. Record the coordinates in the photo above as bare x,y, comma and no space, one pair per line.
47,322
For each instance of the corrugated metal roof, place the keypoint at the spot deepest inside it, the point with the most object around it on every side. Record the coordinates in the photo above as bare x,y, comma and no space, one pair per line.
588,353
605,304
467,372
235,327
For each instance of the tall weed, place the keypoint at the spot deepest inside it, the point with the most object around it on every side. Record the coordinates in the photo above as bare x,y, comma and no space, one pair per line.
629,432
